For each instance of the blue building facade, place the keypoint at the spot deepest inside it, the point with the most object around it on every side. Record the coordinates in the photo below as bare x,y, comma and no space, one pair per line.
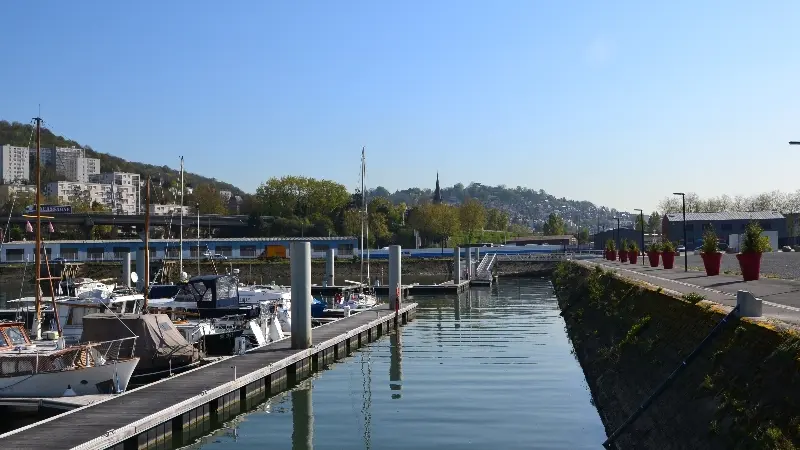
115,250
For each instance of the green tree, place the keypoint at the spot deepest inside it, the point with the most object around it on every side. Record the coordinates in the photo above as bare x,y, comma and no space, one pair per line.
554,225
654,223
472,216
15,233
639,223
300,196
208,200
496,219
351,222
583,236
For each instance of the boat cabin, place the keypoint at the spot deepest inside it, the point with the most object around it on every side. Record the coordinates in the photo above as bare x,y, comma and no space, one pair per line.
217,296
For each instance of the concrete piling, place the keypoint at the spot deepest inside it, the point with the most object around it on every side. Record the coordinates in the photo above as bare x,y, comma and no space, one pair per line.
395,276
301,294
457,265
330,261
469,263
126,269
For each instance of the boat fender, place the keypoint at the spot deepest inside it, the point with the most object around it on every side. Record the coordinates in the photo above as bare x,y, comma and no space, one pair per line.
69,392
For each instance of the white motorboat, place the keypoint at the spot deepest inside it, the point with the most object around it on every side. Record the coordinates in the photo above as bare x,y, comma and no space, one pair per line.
51,369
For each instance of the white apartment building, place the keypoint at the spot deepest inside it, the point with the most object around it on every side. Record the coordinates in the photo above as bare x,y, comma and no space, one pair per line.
14,164
7,191
69,191
125,188
167,210
226,195
70,162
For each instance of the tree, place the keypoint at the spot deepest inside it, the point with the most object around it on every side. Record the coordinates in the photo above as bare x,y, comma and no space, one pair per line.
496,219
639,224
654,223
208,200
351,222
583,236
554,225
472,216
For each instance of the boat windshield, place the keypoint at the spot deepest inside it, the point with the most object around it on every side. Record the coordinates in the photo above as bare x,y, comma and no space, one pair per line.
15,335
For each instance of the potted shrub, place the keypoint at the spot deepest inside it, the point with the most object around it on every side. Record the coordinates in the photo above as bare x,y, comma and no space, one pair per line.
653,253
611,250
623,255
668,254
753,244
633,252
712,257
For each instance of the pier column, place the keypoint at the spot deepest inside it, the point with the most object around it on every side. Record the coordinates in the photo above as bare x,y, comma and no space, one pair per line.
457,265
301,294
469,263
126,269
395,276
140,262
302,419
330,261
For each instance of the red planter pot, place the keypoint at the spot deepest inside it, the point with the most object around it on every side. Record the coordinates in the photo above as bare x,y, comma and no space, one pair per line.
623,256
712,261
750,264
633,257
653,257
669,259
612,255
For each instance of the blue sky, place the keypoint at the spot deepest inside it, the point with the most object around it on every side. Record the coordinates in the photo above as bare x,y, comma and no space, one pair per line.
620,103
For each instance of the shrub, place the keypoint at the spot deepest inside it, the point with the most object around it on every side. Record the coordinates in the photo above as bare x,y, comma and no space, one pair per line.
654,247
632,247
667,246
611,245
710,242
754,241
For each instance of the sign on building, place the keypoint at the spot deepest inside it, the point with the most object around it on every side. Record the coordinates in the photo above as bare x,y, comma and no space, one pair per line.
50,209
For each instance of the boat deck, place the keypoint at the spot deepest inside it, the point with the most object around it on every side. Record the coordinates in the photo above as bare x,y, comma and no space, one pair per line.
166,409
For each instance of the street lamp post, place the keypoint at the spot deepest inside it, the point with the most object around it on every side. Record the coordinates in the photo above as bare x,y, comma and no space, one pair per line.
641,224
685,253
618,235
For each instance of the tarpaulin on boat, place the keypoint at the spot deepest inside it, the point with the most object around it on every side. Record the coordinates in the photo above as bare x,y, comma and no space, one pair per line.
158,342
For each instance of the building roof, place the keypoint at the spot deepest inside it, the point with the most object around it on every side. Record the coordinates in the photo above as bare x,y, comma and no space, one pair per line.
730,215
542,238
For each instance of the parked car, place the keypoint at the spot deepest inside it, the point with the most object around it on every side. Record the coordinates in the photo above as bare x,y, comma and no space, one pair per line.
58,260
681,249
215,256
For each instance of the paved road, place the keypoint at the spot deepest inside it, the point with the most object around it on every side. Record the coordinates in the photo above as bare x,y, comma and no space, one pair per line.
781,298
775,264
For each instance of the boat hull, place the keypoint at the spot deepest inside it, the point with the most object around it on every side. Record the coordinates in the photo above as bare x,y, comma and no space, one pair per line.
91,380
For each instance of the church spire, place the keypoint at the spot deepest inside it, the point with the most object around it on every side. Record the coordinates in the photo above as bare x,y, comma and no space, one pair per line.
437,194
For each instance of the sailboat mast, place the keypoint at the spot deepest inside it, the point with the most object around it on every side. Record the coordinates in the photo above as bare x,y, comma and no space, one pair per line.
180,246
146,246
366,205
37,322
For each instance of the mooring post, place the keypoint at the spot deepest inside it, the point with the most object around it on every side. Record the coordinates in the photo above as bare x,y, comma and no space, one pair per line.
126,269
140,262
301,294
457,265
330,261
469,263
395,277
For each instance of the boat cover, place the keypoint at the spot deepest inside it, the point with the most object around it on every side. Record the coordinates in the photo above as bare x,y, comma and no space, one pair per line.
158,341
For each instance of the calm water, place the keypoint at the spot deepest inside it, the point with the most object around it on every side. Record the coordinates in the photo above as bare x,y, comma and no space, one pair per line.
492,369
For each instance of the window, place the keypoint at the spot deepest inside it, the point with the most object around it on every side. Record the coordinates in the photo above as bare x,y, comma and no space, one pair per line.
726,227
16,336
196,252
319,248
226,287
94,254
173,252
247,251
121,252
15,255
224,250
69,253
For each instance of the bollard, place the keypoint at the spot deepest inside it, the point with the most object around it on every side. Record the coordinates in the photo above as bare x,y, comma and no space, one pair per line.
126,269
457,265
301,294
749,305
330,261
395,276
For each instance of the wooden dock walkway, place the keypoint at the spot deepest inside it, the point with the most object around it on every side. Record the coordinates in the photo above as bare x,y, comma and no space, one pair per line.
173,411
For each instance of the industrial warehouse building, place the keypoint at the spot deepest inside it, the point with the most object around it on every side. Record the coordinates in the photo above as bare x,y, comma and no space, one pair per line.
724,224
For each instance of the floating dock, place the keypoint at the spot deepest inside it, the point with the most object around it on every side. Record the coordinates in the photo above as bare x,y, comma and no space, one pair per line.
448,287
172,412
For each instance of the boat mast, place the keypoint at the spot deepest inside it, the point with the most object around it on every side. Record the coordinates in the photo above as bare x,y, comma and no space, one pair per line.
146,245
37,321
180,248
361,273
366,205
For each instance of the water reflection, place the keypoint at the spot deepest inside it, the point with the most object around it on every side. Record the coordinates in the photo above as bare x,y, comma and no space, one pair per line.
302,418
395,364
